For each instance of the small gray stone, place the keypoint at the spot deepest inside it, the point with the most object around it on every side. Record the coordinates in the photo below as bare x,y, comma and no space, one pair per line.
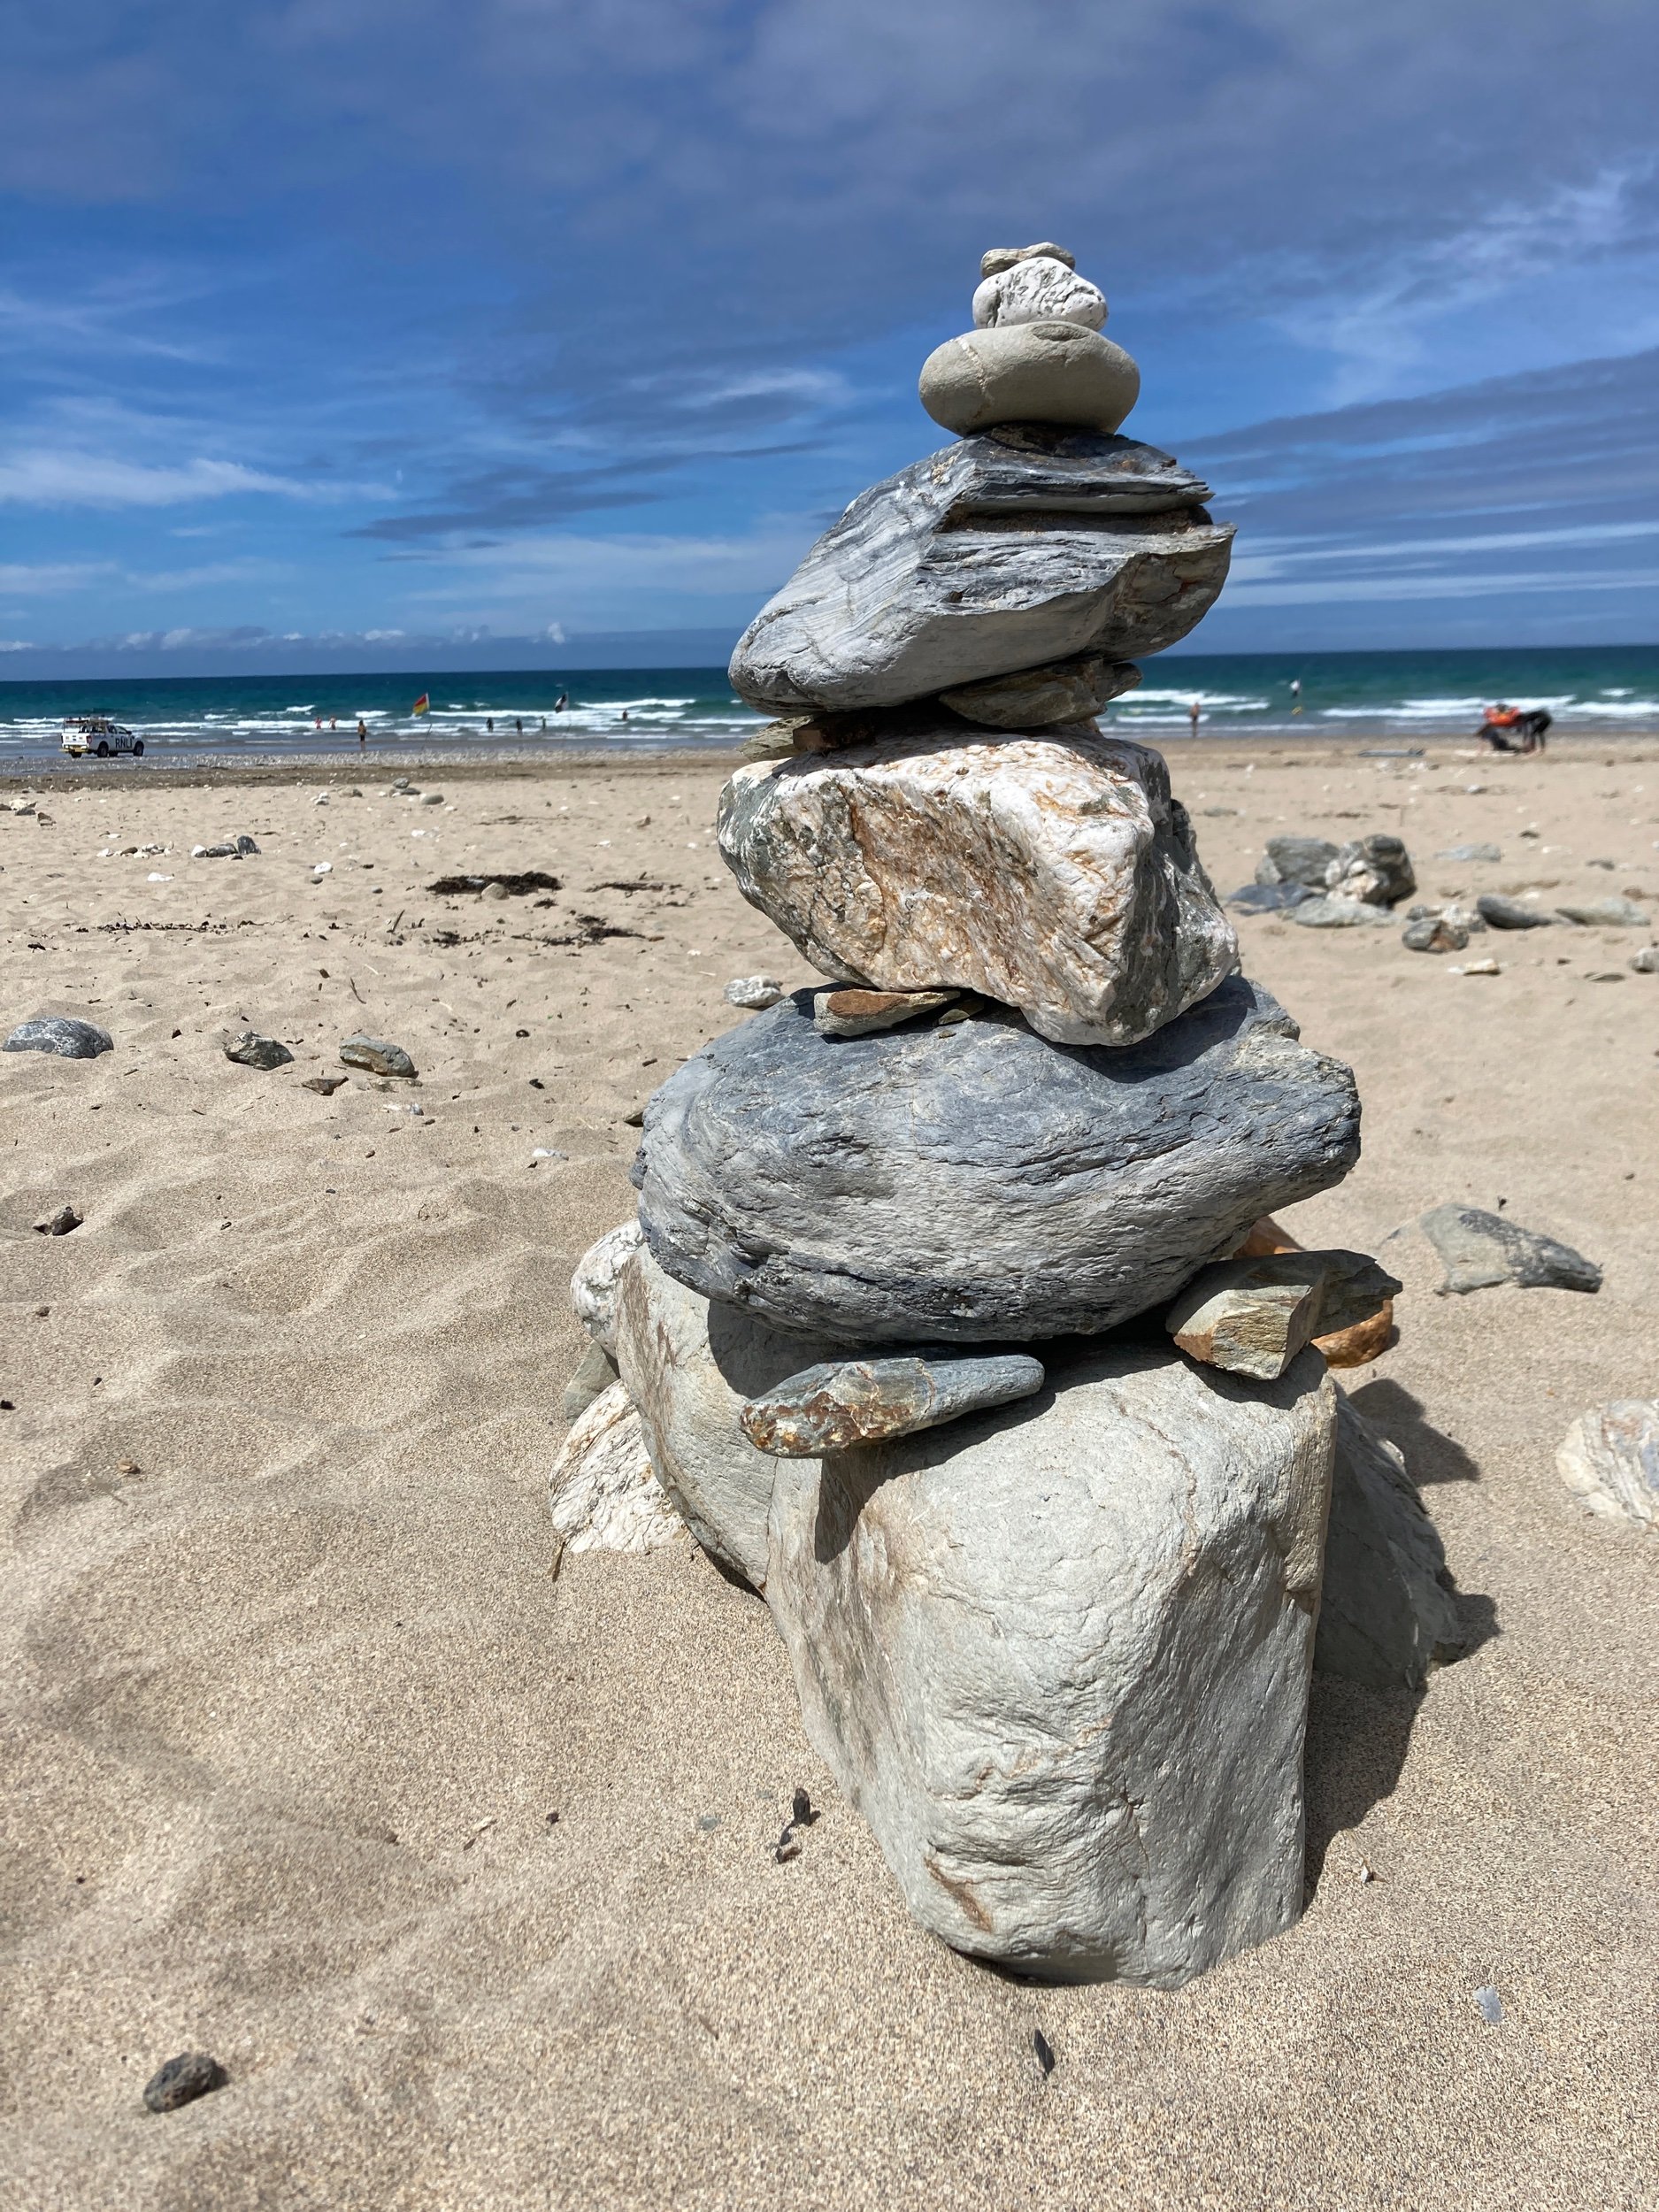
1334,913
593,1377
377,1056
1471,852
1303,860
859,1013
1499,912
1268,898
69,1037
1647,960
1073,690
756,993
1481,1248
59,1224
1389,1611
1056,372
245,845
842,1402
973,1184
1607,914
1609,1457
250,1049
183,2079
1011,551
1433,932
1376,869
324,1086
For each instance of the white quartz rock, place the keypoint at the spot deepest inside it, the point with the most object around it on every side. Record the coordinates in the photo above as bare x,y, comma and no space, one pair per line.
1059,1658
1038,291
1055,874
594,1285
1609,1457
603,1494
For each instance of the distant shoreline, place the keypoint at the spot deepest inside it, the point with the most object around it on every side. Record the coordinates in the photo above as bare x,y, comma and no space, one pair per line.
373,766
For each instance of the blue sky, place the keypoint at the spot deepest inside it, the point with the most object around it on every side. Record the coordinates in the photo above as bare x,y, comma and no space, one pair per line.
356,332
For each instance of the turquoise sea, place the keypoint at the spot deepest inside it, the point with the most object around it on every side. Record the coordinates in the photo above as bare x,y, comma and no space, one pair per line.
1600,691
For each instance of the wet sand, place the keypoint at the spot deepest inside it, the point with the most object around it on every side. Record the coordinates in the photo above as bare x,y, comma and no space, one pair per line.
291,1696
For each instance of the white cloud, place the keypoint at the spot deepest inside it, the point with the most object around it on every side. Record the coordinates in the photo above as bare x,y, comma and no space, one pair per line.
47,476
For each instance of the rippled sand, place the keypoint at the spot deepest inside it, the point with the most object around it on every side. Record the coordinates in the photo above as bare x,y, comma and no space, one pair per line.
289,1708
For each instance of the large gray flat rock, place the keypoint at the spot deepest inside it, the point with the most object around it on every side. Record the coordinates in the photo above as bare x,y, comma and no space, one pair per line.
1059,1656
1021,546
1053,872
975,1182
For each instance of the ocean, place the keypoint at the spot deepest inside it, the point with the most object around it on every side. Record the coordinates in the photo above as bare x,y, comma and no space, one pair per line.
1600,691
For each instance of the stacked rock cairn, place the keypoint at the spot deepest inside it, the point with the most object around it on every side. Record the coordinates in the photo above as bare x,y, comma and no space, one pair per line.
933,1323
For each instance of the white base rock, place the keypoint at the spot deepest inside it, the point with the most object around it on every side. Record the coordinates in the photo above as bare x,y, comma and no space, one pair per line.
1060,1658
602,1491
691,1366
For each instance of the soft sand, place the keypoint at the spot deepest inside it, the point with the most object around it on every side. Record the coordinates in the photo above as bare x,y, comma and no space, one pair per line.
288,1709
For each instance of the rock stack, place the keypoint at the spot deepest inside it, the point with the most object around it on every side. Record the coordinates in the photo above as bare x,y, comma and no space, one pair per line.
899,1331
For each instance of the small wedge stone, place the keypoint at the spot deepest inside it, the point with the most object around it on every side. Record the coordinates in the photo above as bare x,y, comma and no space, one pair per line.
827,1408
856,1013
1253,1316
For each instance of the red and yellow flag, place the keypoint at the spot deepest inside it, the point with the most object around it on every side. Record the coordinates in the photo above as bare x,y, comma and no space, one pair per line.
422,704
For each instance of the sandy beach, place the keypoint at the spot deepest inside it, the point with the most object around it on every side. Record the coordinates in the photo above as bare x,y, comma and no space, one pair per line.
462,1868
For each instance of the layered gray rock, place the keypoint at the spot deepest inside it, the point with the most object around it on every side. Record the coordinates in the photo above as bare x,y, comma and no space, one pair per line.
1481,1250
690,1366
1053,872
1058,1656
1033,698
843,1402
1303,860
974,1182
1609,1457
1016,548
1389,1611
1026,371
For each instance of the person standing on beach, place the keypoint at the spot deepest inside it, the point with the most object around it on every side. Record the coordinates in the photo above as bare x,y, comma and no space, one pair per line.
363,730
1295,695
1192,713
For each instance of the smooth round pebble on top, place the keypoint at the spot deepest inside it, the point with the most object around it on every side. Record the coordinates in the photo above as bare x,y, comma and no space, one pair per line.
1045,372
69,1039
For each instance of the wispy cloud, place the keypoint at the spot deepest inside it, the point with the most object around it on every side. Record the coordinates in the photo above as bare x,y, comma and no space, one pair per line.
47,477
